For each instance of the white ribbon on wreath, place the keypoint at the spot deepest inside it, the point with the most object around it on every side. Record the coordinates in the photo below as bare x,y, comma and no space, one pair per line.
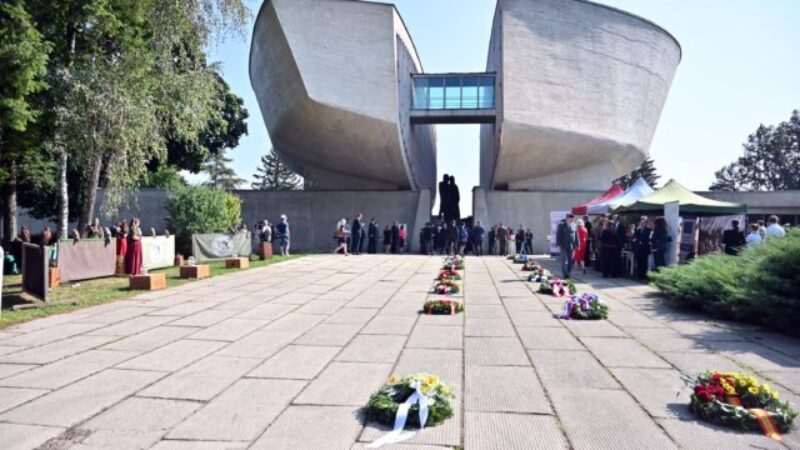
397,434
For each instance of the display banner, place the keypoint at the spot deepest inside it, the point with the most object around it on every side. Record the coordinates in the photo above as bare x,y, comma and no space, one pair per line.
555,218
86,259
158,252
210,247
672,216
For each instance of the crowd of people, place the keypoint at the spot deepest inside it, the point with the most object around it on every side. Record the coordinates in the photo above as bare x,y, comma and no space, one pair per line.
353,237
279,234
603,242
734,239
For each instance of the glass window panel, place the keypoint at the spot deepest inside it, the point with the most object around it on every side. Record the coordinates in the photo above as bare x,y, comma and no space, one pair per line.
420,93
436,93
453,92
469,93
486,93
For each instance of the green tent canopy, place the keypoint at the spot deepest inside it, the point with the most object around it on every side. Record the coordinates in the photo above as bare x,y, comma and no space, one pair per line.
690,203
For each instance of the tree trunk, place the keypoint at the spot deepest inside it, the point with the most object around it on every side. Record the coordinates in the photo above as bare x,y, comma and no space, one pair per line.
10,204
63,193
90,193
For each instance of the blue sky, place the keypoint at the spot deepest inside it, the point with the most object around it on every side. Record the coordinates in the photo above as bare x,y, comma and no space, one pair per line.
741,60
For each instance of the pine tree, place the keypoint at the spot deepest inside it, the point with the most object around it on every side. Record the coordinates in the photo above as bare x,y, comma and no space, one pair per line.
221,176
275,175
647,171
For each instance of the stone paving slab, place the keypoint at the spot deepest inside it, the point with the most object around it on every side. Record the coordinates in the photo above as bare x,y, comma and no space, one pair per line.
756,356
489,327
202,380
199,445
666,340
11,397
495,352
504,389
604,419
695,363
81,400
241,413
548,339
150,339
172,357
661,392
296,362
229,330
115,427
67,370
26,437
535,319
352,315
698,435
336,334
56,350
134,326
377,348
259,345
512,431
269,311
345,383
399,325
445,434
620,352
789,379
7,370
448,364
334,428
560,369
432,336
593,328
48,335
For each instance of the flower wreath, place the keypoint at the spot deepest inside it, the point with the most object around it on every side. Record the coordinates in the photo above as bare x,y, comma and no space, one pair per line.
445,287
531,266
449,274
585,307
383,404
443,307
520,259
453,263
540,276
557,287
738,400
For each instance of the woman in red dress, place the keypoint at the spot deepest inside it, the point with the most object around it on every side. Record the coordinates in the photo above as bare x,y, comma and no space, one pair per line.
579,254
122,247
133,257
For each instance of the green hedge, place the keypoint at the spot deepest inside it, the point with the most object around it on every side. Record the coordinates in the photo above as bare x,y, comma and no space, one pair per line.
197,210
761,285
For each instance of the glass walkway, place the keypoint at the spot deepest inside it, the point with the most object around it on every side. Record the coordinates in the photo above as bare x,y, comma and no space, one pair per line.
453,98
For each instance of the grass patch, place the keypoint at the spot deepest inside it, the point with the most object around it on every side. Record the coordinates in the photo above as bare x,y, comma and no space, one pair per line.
82,294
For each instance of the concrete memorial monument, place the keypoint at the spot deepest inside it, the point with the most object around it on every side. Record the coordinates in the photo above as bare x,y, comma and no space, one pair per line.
570,100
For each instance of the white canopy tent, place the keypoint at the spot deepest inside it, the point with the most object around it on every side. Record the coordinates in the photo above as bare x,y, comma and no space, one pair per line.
637,190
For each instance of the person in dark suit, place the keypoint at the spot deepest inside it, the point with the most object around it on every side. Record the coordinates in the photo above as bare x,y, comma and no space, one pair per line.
566,239
444,197
478,235
622,239
641,247
372,235
357,234
589,242
395,238
608,248
733,239
660,241
455,199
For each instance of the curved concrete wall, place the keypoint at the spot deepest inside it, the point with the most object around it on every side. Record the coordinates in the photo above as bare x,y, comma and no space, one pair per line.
581,87
330,76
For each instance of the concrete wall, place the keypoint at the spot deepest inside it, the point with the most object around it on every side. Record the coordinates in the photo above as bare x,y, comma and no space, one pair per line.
312,214
583,86
530,209
325,73
780,202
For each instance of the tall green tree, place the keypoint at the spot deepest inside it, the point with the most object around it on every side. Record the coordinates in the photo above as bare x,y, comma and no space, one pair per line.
23,64
135,63
275,175
647,171
220,174
771,160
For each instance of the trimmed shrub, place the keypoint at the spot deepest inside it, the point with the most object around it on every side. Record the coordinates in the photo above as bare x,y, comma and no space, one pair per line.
197,210
761,285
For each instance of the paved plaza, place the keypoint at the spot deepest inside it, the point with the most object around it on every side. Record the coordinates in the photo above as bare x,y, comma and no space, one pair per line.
283,357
